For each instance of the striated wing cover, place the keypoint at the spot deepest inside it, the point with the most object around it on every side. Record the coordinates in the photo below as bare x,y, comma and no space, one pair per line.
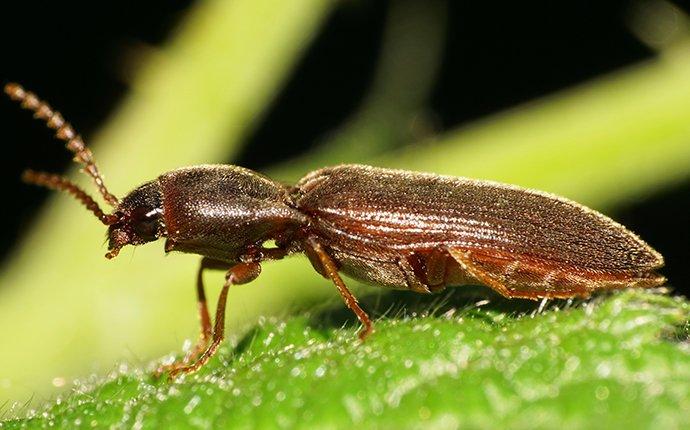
396,210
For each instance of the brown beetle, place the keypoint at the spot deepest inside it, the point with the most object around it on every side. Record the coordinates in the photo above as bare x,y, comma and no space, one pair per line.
392,228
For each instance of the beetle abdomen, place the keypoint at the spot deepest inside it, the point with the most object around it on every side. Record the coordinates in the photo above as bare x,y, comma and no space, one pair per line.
392,210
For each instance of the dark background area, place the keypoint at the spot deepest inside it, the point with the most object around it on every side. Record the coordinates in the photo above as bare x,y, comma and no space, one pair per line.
78,56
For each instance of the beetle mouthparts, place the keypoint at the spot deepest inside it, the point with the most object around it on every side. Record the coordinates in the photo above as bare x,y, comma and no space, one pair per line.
112,253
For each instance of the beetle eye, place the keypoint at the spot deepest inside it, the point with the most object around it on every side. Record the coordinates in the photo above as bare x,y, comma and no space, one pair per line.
145,223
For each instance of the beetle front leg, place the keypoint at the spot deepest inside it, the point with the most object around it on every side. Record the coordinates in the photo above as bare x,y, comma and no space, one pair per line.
204,317
241,273
326,266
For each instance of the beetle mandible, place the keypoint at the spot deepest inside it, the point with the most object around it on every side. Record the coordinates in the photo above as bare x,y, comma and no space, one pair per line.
392,228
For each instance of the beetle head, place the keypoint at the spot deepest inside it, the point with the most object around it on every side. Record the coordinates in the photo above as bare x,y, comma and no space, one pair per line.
139,219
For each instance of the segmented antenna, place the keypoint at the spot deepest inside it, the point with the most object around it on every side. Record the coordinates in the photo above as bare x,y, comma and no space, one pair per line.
56,182
74,142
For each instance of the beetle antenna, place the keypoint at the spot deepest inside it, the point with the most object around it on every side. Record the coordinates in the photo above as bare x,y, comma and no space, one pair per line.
56,182
64,132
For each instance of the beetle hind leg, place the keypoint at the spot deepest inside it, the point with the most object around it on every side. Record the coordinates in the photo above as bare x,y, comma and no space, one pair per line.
517,279
529,279
467,263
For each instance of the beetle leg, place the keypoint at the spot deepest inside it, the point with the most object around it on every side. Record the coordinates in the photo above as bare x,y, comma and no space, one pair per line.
464,259
513,279
327,267
415,280
241,273
260,253
204,317
426,272
436,267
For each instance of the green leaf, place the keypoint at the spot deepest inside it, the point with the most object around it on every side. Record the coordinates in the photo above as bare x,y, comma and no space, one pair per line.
620,361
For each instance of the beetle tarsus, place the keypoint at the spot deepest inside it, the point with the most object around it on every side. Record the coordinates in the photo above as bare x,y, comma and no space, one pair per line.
365,331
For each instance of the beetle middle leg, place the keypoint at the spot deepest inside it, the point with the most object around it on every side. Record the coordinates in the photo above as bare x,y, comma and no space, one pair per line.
240,273
325,265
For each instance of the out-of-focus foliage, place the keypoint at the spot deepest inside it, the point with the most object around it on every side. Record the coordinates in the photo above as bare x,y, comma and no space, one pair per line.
65,311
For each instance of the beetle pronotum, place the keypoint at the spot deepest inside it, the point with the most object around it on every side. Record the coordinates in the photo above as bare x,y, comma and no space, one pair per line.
392,228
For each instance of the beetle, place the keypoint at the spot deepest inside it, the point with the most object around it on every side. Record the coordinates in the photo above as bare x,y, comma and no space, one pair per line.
391,228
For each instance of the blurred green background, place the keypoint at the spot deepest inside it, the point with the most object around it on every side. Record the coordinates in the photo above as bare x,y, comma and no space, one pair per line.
593,105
